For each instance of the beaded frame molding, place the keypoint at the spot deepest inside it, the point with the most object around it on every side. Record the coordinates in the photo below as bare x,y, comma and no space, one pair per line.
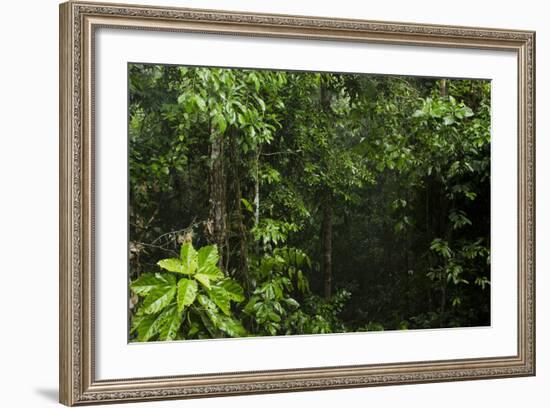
78,22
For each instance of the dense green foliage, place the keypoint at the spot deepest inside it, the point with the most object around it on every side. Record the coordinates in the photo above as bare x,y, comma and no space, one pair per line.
316,202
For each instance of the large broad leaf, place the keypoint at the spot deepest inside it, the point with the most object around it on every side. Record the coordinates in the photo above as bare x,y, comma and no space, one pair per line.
146,282
203,279
136,320
226,324
207,303
159,298
233,289
208,265
231,326
206,319
206,277
149,326
187,292
221,298
208,257
171,323
173,265
188,257
212,272
209,314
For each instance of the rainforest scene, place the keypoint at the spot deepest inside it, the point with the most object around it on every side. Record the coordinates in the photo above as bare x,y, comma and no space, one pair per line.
268,202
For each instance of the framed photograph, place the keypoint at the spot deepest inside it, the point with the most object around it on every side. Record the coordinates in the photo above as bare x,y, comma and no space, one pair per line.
256,203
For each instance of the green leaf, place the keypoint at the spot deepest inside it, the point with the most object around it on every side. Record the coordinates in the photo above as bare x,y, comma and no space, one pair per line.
291,302
221,298
208,256
399,226
206,318
247,205
150,326
468,112
194,329
146,328
249,308
136,320
464,112
262,104
146,282
418,113
274,316
201,104
203,279
441,247
211,311
459,219
231,326
172,265
171,322
159,298
482,281
220,122
227,324
448,120
187,292
188,257
233,289
212,272
182,98
207,303
272,329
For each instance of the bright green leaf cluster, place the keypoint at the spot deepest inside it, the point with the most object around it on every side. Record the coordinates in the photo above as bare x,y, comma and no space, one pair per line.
168,297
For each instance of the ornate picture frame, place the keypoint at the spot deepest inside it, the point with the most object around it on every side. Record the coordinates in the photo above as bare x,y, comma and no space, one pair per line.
79,22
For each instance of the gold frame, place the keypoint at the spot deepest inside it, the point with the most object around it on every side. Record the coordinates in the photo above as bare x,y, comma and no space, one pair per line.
78,21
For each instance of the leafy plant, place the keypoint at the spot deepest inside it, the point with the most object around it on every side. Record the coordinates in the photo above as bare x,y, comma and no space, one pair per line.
319,315
190,286
278,277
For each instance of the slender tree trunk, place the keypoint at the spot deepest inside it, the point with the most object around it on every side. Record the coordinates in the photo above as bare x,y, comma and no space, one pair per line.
217,219
257,189
243,253
443,218
326,235
257,195
443,87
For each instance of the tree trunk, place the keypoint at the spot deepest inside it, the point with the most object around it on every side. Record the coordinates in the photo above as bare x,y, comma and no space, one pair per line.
243,253
257,189
326,235
443,87
257,196
217,219
443,218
